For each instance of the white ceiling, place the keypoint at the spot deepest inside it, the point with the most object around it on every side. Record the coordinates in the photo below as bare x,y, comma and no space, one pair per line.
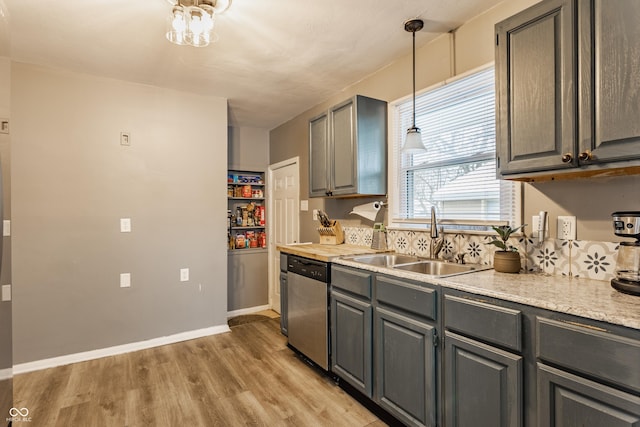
273,60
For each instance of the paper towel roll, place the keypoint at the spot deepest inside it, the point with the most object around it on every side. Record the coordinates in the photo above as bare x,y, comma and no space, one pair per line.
367,210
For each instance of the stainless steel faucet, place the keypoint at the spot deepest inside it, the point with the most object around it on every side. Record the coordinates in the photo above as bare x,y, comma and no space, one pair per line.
436,241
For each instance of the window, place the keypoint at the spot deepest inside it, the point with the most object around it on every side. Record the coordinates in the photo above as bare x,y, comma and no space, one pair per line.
457,173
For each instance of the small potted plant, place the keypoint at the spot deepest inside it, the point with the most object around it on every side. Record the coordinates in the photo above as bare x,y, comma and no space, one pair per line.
507,259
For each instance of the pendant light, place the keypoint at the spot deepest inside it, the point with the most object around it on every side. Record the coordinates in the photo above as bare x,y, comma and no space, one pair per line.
413,141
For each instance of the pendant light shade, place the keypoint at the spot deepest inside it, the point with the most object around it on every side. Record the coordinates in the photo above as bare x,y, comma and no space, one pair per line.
413,142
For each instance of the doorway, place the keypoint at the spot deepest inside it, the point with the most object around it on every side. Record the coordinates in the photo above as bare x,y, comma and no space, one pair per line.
283,202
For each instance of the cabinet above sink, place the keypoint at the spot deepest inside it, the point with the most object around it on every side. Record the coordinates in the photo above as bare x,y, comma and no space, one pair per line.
567,90
348,149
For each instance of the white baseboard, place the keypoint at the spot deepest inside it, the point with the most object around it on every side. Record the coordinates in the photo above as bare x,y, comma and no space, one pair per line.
6,374
37,365
250,310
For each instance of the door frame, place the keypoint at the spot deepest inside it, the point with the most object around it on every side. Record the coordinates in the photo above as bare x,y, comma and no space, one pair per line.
272,253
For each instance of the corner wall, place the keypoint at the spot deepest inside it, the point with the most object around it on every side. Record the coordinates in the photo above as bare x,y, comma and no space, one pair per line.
72,181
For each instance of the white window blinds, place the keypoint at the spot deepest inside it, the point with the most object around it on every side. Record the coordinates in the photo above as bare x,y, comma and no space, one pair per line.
457,173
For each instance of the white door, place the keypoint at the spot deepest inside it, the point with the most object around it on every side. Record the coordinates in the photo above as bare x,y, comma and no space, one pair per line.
284,199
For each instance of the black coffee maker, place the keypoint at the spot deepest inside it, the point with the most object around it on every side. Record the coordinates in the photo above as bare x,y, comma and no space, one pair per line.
627,280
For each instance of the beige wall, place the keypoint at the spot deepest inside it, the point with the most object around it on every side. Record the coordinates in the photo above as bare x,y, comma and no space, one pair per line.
6,352
72,181
435,62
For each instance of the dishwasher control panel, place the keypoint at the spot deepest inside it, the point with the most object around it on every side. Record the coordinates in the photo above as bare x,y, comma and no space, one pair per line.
306,267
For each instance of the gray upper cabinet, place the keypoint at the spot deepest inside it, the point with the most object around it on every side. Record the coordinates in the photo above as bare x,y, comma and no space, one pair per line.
609,80
348,149
568,90
535,88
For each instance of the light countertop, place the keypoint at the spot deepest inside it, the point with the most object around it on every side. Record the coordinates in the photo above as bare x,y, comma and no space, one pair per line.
324,253
592,299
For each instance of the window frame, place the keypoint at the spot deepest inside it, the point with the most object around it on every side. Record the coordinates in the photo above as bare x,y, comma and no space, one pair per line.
482,227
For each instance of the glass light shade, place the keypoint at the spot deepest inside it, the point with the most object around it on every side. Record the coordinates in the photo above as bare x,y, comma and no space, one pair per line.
413,142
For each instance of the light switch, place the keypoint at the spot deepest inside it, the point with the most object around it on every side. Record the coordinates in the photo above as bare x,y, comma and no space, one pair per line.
184,274
6,227
304,205
125,280
6,292
125,225
125,138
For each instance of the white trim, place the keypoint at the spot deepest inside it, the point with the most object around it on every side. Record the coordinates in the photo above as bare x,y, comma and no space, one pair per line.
5,374
37,365
250,310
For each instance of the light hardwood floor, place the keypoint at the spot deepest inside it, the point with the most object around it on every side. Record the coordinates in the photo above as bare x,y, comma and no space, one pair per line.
246,377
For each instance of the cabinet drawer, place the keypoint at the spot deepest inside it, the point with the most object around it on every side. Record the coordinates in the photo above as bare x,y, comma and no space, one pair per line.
356,282
497,325
415,299
590,351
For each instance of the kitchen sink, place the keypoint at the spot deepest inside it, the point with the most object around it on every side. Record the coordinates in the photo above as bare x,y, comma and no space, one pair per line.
440,268
383,260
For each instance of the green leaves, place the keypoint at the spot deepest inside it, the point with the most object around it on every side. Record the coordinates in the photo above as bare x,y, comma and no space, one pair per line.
504,232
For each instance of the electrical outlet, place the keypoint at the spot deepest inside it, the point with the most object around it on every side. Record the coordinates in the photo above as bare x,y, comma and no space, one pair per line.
315,214
125,280
567,227
535,226
184,274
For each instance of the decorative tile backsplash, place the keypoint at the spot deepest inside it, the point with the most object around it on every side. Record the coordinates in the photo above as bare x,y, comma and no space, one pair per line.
577,258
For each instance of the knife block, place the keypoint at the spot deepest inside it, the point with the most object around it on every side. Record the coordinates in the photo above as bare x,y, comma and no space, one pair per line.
331,235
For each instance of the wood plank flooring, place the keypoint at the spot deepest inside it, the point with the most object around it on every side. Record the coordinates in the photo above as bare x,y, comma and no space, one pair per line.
246,377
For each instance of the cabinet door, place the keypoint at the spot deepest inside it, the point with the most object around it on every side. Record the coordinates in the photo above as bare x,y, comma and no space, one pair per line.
342,148
483,384
609,79
535,88
351,333
318,156
568,400
284,309
406,368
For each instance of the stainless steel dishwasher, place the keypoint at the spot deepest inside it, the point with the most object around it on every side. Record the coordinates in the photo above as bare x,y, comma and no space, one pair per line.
308,303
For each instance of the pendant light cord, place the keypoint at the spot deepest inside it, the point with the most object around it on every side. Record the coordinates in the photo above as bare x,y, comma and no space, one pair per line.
414,79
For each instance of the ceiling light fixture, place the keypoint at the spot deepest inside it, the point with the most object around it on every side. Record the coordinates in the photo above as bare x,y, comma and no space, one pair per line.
191,21
413,142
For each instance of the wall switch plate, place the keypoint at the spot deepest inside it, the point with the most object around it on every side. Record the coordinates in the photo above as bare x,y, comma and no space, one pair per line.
535,226
125,280
125,138
6,292
184,274
567,228
125,225
4,125
315,214
304,205
6,227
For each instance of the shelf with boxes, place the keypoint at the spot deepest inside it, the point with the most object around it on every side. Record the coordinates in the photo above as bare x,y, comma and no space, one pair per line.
246,210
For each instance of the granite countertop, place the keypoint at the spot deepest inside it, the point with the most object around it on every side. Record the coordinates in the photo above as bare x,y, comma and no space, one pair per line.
592,299
324,253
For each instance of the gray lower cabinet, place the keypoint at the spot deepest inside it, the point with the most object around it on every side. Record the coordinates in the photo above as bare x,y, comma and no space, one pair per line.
483,370
565,399
352,327
406,352
406,367
595,377
483,384
351,333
